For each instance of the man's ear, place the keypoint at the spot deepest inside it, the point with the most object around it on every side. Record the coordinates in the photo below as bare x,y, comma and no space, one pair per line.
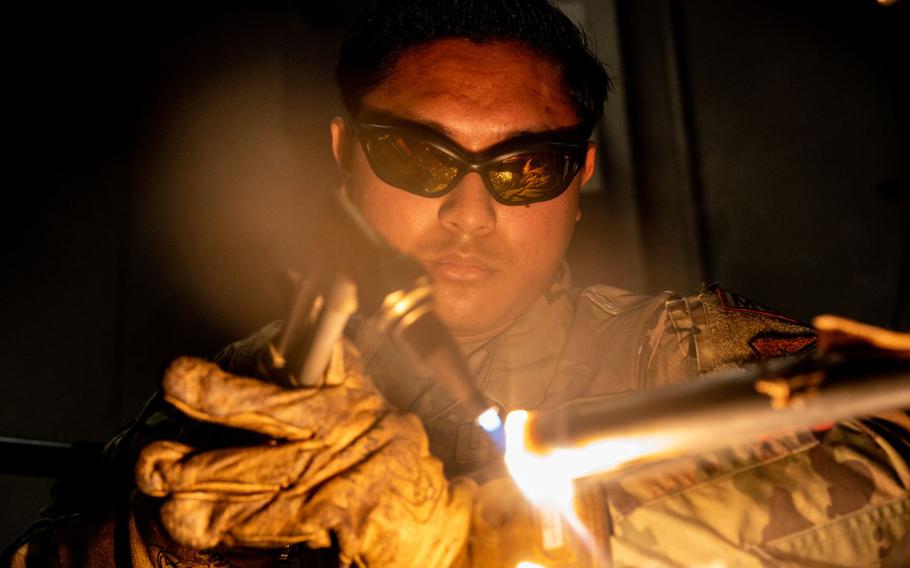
588,169
341,144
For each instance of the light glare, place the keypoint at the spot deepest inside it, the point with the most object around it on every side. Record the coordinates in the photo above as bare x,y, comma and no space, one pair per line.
489,420
547,478
401,307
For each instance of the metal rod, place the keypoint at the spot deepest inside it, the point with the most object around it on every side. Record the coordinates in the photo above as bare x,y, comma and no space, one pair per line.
732,408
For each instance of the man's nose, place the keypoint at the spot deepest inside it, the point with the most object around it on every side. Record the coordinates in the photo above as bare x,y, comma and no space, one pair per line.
469,208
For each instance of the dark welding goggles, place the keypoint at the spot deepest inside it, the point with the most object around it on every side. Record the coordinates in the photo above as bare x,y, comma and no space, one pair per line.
518,171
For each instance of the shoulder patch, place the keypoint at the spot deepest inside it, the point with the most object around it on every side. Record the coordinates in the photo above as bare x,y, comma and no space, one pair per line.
724,330
771,344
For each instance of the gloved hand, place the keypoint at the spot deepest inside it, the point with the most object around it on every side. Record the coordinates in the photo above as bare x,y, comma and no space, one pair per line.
340,462
836,333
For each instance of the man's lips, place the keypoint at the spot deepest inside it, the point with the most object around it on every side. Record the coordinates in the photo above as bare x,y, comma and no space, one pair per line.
459,268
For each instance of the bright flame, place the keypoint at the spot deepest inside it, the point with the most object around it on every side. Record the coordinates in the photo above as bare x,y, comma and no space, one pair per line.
547,478
540,478
489,420
527,564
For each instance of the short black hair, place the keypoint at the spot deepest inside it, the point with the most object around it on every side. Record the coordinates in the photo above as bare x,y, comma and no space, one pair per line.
374,43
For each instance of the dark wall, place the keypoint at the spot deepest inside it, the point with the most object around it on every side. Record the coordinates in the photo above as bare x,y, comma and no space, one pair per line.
165,163
770,142
802,150
166,160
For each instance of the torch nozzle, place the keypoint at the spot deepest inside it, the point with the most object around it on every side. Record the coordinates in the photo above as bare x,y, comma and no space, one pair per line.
367,273
427,340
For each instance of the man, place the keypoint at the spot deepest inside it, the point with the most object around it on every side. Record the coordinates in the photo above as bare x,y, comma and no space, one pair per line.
466,147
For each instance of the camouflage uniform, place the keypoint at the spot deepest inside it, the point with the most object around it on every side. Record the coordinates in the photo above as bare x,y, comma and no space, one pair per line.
830,498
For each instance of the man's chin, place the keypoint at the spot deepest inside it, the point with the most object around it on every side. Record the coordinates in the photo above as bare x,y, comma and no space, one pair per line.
469,321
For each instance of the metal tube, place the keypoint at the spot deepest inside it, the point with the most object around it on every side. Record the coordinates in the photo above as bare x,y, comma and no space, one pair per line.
340,304
731,408
429,342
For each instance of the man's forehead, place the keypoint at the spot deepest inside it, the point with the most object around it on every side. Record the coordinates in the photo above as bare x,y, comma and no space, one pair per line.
380,116
476,94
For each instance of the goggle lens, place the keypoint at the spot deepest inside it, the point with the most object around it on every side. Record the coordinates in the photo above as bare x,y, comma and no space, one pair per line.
530,177
424,164
411,164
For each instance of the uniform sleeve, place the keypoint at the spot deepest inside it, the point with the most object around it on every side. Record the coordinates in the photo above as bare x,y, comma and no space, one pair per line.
834,497
717,330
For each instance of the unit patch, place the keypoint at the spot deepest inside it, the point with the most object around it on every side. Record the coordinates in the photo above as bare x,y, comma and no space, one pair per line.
770,345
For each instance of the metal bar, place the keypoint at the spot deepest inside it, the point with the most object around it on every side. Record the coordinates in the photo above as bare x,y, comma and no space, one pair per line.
728,409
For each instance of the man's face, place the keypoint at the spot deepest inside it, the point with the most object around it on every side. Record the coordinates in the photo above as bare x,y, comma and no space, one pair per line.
489,261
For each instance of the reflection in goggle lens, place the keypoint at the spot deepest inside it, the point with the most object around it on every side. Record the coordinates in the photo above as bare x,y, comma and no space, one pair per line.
414,164
526,176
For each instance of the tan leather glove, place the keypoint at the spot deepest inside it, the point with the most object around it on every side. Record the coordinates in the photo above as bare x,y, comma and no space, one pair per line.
341,462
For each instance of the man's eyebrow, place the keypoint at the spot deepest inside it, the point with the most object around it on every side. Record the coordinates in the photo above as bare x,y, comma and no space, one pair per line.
385,117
